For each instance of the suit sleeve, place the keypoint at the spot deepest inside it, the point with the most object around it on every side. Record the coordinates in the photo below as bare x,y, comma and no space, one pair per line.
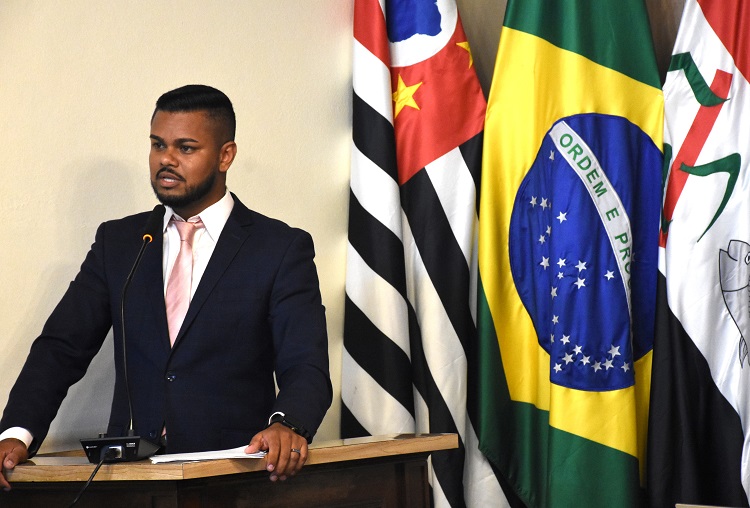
300,338
59,357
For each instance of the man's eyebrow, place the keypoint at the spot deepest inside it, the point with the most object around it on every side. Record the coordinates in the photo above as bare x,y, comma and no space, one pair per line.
178,141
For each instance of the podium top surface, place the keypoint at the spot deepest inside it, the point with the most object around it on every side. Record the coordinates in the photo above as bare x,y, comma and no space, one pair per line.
78,468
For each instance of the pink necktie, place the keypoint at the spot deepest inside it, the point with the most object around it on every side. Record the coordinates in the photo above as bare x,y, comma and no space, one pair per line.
178,288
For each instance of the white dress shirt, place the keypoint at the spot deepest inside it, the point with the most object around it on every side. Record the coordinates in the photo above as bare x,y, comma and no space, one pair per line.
214,219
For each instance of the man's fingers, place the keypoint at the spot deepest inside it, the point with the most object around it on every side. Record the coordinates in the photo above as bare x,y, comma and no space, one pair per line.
9,462
256,444
282,463
12,453
272,458
298,459
4,481
286,452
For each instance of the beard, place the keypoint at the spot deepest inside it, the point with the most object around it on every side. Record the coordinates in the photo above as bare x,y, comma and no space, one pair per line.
191,195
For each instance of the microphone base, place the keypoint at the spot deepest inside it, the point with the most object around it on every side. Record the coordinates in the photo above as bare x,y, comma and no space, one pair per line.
118,449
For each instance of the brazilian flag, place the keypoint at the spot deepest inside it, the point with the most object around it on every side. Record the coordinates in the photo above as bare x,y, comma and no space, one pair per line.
568,249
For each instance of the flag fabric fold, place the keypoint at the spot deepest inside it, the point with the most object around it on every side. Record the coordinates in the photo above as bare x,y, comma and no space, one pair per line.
418,117
568,236
698,449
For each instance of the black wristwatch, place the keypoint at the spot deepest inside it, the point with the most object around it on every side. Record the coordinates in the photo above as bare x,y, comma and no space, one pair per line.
279,417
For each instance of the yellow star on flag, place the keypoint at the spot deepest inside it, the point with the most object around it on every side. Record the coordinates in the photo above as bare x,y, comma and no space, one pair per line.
465,45
404,96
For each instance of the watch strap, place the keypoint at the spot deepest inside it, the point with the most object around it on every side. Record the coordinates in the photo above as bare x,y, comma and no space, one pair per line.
279,417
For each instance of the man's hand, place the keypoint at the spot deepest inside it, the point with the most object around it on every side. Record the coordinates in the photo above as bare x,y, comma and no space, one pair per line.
12,453
287,450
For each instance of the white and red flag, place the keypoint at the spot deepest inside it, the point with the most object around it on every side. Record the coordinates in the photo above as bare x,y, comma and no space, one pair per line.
700,406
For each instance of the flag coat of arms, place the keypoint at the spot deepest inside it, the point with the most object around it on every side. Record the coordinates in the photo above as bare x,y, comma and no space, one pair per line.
418,116
698,434
569,221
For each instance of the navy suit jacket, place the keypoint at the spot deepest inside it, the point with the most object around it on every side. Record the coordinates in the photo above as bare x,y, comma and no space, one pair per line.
256,311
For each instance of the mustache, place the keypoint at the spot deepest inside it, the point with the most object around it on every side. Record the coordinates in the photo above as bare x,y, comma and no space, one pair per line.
169,171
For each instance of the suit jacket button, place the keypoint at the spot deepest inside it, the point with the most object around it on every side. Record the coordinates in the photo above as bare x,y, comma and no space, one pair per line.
152,434
170,377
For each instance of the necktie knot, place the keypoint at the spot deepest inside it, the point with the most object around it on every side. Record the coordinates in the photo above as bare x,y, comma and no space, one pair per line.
187,229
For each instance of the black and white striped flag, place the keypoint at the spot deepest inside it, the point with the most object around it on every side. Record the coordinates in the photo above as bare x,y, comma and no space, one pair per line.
410,314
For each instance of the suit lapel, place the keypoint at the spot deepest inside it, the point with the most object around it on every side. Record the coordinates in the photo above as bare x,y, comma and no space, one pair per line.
152,269
232,237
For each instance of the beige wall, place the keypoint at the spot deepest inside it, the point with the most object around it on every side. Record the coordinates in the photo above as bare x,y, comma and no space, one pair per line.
78,80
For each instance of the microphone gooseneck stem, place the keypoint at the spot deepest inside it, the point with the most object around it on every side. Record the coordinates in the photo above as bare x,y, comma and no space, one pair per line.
153,227
146,240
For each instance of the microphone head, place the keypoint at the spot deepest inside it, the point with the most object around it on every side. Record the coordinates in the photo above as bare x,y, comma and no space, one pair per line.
154,223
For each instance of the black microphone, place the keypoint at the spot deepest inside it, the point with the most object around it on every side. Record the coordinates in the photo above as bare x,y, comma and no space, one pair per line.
130,447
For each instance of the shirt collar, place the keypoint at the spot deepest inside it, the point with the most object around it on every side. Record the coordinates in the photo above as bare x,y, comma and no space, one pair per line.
214,217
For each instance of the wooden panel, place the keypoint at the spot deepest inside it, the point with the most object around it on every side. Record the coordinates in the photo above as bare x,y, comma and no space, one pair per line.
70,469
369,483
78,469
100,494
394,481
335,451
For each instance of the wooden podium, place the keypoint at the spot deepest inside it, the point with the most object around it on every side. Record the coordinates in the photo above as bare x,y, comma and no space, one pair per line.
374,471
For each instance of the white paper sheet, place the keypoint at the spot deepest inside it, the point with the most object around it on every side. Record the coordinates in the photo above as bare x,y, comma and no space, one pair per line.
233,453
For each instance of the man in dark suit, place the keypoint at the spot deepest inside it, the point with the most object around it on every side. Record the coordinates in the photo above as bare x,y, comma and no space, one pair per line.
254,310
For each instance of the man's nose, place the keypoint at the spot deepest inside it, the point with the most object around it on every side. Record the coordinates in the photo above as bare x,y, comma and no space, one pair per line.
168,157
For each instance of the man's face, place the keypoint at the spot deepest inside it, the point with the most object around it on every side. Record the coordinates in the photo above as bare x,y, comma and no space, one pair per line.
188,161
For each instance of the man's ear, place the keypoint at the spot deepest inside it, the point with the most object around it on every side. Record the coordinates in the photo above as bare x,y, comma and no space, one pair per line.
226,155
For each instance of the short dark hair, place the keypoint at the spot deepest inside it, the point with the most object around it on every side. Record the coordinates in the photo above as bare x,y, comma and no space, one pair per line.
200,98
